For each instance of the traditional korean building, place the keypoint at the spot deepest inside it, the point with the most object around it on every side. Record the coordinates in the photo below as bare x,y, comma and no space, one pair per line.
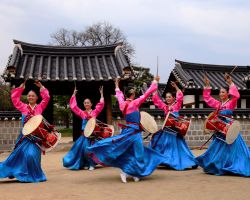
189,77
61,68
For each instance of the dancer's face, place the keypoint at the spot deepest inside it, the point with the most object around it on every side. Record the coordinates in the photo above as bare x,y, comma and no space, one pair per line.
223,94
87,104
32,97
169,98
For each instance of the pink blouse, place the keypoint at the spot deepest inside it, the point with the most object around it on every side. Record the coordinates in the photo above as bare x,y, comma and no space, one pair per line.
134,105
174,107
16,94
85,114
230,104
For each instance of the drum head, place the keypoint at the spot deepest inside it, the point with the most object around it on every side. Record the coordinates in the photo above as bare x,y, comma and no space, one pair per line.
32,124
148,123
90,126
233,132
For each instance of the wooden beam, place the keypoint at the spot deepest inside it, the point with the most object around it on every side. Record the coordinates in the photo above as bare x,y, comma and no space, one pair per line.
108,108
77,124
48,112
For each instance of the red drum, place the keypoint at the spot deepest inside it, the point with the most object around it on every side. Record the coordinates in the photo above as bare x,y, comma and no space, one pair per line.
40,131
178,125
229,128
97,129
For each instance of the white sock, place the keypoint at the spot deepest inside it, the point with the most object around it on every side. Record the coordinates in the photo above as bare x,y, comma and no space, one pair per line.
123,177
136,179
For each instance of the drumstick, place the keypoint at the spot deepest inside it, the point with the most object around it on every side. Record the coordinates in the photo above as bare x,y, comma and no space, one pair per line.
157,66
206,141
147,136
75,84
230,73
235,67
204,72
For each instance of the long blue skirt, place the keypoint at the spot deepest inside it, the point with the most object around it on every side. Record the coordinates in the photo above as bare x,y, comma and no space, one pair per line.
175,149
221,158
77,158
24,163
127,152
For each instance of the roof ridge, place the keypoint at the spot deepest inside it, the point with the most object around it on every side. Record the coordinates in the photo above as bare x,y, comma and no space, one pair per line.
185,64
66,47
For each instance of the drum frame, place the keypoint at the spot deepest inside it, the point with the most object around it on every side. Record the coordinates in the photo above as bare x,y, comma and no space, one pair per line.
216,131
37,139
97,123
171,130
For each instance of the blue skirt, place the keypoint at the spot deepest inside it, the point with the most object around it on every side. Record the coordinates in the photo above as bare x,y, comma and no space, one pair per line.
175,149
127,152
24,163
77,158
221,158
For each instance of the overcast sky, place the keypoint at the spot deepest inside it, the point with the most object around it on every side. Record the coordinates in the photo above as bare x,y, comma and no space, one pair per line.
216,32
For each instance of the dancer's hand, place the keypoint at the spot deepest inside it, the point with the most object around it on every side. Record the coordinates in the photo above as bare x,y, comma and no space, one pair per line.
206,81
38,84
117,83
23,85
74,93
228,79
157,78
173,84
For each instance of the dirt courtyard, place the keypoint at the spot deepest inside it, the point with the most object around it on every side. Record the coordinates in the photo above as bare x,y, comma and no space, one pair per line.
104,183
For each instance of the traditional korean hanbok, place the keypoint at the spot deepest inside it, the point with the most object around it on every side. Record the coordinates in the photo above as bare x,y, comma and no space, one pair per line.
24,163
126,150
222,158
170,144
77,157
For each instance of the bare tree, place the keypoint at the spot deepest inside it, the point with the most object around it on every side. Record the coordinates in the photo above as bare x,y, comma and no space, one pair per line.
101,33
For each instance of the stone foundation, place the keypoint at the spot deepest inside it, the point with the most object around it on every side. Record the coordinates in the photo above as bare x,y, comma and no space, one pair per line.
9,131
195,136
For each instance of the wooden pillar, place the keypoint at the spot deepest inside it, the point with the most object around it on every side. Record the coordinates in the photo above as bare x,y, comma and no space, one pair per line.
239,103
77,125
197,99
48,112
108,108
247,102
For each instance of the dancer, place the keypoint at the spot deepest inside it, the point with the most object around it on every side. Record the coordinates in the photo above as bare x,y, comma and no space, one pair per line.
24,163
126,150
172,145
77,157
222,158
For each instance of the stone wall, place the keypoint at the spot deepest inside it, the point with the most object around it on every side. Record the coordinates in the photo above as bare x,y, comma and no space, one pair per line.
195,136
9,131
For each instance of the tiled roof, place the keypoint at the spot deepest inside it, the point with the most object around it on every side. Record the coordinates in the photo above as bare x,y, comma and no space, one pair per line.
9,115
190,75
52,63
